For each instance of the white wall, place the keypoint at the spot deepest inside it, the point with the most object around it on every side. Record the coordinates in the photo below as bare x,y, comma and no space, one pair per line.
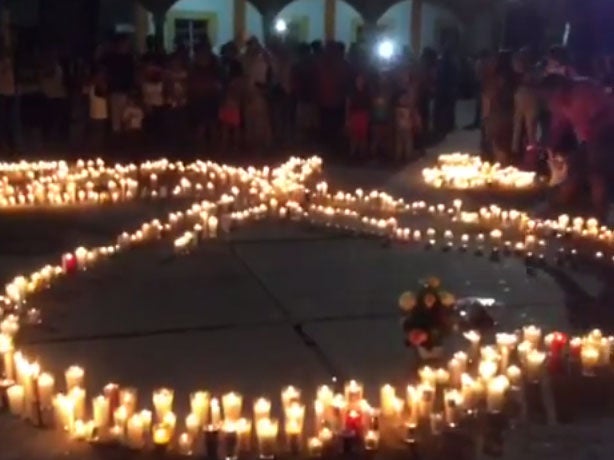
313,10
346,20
398,19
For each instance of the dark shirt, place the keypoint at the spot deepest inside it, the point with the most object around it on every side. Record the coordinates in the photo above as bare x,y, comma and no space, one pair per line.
120,72
359,100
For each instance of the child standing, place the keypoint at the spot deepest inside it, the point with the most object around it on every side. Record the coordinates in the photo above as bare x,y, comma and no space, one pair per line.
132,121
99,111
358,105
380,116
230,112
406,119
257,120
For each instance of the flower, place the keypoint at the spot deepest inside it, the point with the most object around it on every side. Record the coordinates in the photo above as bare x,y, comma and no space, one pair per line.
433,282
407,301
447,299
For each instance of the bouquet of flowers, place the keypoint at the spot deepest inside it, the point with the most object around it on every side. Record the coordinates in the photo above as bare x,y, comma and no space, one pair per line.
427,315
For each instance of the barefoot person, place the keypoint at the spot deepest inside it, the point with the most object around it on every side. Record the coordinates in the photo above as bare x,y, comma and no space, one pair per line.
583,106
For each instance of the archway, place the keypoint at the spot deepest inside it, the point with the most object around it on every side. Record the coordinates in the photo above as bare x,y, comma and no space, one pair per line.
306,22
189,20
438,24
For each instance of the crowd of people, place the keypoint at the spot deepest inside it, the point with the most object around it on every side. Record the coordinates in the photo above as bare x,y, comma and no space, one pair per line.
348,101
532,110
541,115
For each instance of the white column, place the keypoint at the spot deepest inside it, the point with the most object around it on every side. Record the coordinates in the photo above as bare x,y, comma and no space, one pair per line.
416,27
141,26
240,18
330,13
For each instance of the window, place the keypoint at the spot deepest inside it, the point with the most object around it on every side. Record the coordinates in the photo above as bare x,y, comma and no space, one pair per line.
191,32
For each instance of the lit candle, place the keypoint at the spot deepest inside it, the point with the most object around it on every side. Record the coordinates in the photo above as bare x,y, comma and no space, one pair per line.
495,393
590,359
314,447
262,409
199,403
128,399
135,434
163,402
453,401
244,433
77,395
290,395
266,432
161,435
532,334
46,384
192,425
534,362
101,411
387,400
371,440
353,392
16,397
184,444
474,339
232,402
75,376
216,413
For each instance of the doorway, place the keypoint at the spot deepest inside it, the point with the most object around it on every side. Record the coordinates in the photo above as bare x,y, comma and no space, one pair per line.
190,33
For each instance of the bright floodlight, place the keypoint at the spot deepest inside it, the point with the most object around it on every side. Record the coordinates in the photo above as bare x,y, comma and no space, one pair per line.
385,49
281,26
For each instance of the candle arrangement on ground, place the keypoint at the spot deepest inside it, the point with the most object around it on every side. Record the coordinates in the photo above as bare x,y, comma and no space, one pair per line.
481,381
464,171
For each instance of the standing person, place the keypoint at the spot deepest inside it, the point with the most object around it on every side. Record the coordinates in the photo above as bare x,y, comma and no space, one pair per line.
526,112
56,98
407,121
98,110
446,89
176,90
283,103
133,126
230,110
152,90
381,116
499,110
7,101
204,93
583,106
331,76
478,70
358,108
120,71
425,87
303,75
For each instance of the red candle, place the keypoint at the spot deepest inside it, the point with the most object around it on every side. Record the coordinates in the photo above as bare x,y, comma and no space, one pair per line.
575,347
353,421
557,342
69,263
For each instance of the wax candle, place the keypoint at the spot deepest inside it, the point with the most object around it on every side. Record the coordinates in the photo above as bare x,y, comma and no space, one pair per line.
487,370
199,403
590,359
266,432
453,402
371,440
495,393
161,435
532,334
244,433
101,411
232,402
314,447
387,398
16,395
135,433
128,399
514,375
77,395
262,409
216,413
534,363
46,385
83,430
184,444
120,417
353,392
163,402
474,340
192,425
289,395
75,377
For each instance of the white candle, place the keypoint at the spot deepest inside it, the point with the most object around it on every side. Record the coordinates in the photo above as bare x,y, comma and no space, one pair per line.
74,377
128,399
216,413
163,402
77,395
199,403
135,434
495,393
353,392
266,432
101,411
387,400
232,402
16,397
46,385
534,363
262,409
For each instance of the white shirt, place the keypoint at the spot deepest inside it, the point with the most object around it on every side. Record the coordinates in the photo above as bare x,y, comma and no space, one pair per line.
99,109
133,118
